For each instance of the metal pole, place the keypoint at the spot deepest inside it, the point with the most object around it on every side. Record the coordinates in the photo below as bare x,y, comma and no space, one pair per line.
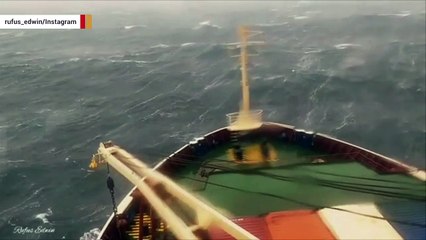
177,226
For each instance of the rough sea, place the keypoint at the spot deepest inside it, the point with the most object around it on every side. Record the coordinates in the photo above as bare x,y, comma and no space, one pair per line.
153,81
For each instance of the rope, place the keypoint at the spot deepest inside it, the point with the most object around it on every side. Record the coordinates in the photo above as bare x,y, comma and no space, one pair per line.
375,189
348,186
308,204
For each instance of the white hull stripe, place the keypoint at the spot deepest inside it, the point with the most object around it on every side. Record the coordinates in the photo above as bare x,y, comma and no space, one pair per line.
350,225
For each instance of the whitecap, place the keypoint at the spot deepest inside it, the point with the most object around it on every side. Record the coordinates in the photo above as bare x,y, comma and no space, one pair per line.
187,44
271,24
300,17
160,46
346,45
231,44
274,77
313,51
76,59
44,110
400,14
347,120
16,161
134,26
215,84
91,235
43,216
206,24
127,61
5,33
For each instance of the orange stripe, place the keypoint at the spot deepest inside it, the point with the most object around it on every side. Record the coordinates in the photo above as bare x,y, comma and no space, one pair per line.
301,224
88,21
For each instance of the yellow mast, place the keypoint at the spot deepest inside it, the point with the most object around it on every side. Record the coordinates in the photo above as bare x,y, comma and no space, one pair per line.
245,119
245,85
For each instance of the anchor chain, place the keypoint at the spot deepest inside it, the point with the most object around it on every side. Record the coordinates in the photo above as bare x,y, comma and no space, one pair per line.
110,185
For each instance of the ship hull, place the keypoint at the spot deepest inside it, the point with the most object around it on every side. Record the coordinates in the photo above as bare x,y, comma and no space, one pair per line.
286,134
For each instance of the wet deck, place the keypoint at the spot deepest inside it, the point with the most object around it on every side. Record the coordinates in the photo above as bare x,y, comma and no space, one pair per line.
291,182
303,171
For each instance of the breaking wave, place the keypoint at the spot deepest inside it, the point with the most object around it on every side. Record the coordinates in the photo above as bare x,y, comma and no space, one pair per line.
134,26
206,25
91,235
346,45
43,216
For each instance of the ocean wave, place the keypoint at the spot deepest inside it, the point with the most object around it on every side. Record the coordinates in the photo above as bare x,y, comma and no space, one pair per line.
43,216
91,235
43,110
274,77
231,44
307,62
342,46
187,44
160,46
271,24
206,25
314,95
24,204
5,33
300,17
313,12
214,84
134,26
70,60
214,52
127,61
16,161
313,51
400,14
352,62
348,119
19,34
76,59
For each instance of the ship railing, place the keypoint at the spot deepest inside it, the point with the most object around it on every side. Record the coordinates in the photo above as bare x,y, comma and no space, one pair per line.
245,119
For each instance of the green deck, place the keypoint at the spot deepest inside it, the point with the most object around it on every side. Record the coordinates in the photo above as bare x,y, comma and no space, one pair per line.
292,182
